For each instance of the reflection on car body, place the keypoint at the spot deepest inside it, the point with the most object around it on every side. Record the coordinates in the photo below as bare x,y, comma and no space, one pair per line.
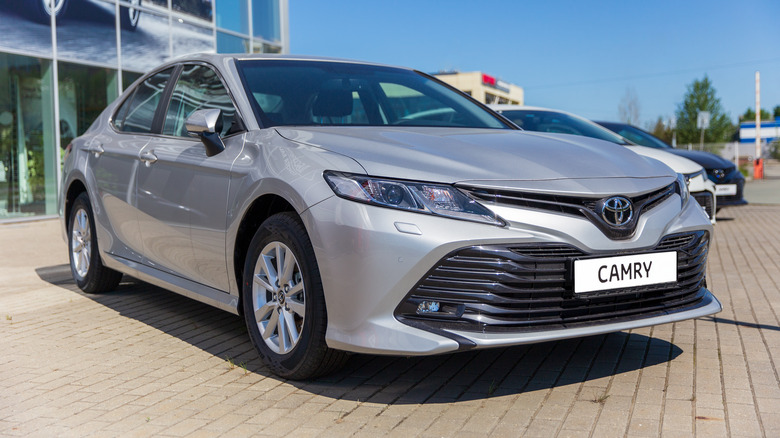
331,204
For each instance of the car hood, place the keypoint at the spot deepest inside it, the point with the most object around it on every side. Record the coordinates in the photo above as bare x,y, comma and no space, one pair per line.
481,156
677,163
705,159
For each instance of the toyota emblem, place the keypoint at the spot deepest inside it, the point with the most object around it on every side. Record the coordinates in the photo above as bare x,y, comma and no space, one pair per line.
617,211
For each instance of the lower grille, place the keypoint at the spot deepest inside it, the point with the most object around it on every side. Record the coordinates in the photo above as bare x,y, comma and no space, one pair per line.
530,287
705,199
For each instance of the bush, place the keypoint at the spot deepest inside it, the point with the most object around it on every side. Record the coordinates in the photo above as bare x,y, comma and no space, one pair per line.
774,149
743,169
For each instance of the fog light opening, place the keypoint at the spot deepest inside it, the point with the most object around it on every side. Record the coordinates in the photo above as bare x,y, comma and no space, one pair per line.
426,307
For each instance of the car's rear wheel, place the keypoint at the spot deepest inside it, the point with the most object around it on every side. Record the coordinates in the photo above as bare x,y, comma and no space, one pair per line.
129,16
85,263
41,10
283,301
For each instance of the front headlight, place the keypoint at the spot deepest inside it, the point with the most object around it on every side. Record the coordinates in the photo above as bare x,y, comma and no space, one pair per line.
682,188
690,176
418,197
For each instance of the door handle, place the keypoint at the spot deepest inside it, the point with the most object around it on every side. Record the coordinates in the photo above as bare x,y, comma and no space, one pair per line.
96,148
148,157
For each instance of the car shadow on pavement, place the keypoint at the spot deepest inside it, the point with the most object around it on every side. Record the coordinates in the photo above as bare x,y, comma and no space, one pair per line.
445,378
741,323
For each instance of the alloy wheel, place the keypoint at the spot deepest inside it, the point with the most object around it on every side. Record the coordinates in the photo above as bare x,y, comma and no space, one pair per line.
81,243
278,297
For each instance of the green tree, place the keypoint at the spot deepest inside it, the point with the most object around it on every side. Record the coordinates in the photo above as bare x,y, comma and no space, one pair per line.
701,96
776,112
750,115
660,130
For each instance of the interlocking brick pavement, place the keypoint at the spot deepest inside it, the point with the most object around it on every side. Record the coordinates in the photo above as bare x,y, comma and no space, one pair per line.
142,361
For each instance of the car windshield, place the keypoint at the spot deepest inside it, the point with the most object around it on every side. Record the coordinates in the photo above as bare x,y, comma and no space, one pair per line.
636,135
560,123
316,93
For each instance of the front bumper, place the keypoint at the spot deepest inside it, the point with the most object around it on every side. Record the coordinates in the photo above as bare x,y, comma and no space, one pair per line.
370,258
728,176
703,191
707,306
521,288
735,199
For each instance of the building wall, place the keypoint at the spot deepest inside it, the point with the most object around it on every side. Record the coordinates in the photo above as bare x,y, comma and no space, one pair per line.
483,87
770,131
67,68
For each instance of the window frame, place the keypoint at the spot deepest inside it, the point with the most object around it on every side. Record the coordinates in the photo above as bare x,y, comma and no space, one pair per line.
169,95
165,100
130,94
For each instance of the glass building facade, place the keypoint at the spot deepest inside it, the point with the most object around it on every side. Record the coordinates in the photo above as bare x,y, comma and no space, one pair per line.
63,61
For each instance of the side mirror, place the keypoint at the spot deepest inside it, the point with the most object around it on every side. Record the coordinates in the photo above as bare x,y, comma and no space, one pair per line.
207,124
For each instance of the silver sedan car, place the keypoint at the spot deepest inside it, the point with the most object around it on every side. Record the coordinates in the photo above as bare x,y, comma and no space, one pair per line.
343,206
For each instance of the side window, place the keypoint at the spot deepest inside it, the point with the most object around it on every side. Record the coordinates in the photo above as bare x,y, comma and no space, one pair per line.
198,87
137,112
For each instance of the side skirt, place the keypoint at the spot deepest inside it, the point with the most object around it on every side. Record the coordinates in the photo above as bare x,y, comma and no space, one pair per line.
190,289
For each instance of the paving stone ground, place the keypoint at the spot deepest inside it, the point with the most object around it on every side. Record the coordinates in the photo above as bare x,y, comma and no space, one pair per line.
142,361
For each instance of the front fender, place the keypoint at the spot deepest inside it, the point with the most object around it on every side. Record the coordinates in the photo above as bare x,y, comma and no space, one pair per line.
272,165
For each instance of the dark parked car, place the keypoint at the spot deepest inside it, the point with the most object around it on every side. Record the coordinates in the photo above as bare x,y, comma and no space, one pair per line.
729,182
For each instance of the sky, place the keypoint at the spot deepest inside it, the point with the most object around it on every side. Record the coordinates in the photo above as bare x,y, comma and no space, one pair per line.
578,56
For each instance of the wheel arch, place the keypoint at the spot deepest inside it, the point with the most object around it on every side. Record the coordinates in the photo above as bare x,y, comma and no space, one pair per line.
75,188
261,209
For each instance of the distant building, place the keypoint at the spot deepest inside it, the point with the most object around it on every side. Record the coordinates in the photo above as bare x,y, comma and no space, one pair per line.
770,131
483,87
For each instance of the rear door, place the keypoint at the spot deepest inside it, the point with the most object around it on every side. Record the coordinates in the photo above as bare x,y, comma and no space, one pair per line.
113,160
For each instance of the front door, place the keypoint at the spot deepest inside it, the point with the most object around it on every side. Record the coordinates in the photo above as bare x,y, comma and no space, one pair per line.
181,192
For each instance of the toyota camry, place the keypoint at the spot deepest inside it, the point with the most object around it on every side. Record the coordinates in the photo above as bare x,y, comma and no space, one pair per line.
343,206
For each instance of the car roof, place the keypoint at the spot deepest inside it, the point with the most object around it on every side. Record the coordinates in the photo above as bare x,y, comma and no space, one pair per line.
601,122
218,58
506,106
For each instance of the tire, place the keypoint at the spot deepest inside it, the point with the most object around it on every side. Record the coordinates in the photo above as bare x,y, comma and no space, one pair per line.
128,17
286,317
85,263
41,10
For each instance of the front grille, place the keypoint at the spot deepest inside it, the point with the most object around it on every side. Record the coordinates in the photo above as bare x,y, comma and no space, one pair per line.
530,287
705,199
587,207
718,175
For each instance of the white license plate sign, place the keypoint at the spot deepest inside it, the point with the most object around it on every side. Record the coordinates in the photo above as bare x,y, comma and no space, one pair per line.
726,189
607,273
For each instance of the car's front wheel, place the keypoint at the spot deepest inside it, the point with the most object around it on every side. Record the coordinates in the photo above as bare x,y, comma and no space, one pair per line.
283,301
85,263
